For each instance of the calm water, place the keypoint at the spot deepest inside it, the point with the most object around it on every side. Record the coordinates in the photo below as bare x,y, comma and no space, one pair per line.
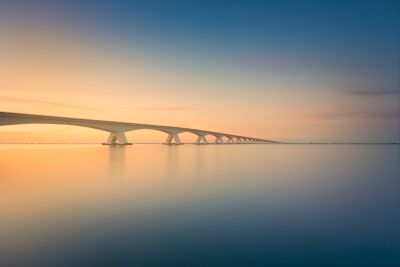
226,205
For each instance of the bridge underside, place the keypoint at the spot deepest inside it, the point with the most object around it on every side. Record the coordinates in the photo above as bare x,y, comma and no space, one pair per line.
117,130
117,139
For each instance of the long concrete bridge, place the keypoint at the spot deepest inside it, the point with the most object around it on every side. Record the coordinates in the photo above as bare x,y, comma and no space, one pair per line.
117,130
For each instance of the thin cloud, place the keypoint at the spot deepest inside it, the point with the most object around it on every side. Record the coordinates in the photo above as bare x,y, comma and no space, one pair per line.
376,91
162,108
383,115
44,102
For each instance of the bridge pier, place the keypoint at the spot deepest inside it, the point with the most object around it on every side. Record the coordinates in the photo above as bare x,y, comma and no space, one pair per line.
172,137
201,140
219,140
117,138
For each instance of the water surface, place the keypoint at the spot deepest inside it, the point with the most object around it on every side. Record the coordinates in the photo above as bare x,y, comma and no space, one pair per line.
215,205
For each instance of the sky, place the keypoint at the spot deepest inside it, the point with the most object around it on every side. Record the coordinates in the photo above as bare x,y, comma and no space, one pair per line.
283,70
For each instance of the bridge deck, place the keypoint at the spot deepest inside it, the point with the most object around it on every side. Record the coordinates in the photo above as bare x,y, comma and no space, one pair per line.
117,129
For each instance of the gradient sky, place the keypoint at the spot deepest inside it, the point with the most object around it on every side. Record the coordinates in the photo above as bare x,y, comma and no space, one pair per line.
282,70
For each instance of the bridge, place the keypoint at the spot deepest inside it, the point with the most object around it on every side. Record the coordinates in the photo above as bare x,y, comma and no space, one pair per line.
117,130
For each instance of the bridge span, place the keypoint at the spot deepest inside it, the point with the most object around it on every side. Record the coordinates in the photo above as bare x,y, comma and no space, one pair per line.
117,130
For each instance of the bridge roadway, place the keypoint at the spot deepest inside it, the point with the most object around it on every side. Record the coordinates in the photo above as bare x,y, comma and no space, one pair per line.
117,130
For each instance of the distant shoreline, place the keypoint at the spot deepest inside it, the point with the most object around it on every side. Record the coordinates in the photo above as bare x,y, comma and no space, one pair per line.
340,143
294,143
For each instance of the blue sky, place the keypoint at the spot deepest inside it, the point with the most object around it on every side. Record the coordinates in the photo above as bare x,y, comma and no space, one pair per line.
353,35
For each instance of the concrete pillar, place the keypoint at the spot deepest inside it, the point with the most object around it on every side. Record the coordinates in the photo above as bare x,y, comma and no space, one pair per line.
201,139
172,137
117,138
219,140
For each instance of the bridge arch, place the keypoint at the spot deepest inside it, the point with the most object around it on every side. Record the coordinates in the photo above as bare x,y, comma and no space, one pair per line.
144,135
189,136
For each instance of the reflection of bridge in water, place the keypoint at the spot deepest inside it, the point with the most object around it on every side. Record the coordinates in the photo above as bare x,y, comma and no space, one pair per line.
117,130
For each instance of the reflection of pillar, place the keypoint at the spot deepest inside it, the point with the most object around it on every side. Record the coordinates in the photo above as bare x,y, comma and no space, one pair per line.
200,169
173,164
116,161
174,137
117,138
201,139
